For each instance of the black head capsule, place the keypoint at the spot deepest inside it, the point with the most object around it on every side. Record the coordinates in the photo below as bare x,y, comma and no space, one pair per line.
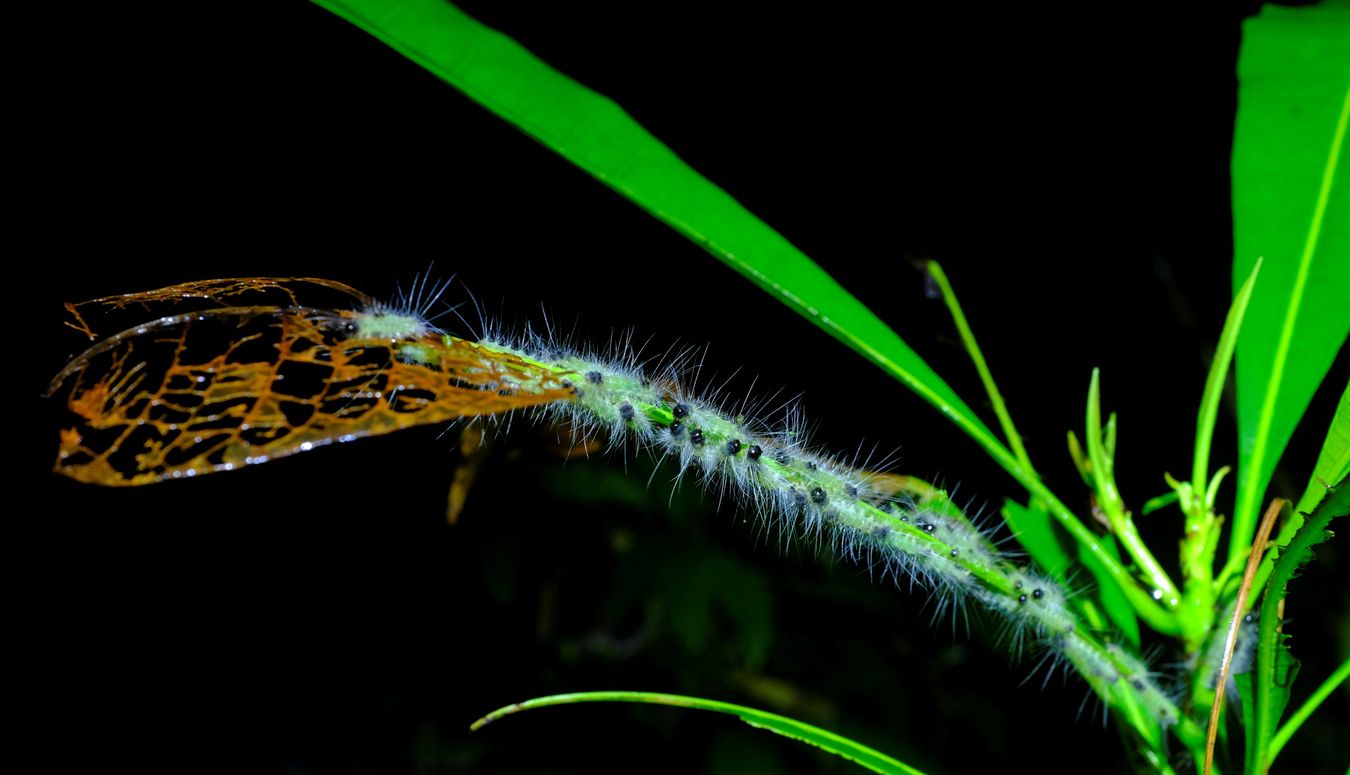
680,410
595,377
818,496
754,452
696,436
733,447
675,427
626,411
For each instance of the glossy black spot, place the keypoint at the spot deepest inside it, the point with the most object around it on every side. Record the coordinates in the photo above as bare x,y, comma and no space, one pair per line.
812,466
1038,593
818,496
956,552
733,447
626,411
1017,584
852,491
595,377
798,497
680,410
696,436
676,427
1021,598
754,452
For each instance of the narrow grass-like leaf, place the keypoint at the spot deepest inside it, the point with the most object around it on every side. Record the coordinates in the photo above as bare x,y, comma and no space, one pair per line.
780,725
1101,447
1214,382
598,136
977,357
1291,205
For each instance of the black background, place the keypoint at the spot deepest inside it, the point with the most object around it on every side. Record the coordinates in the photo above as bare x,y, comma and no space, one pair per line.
1068,165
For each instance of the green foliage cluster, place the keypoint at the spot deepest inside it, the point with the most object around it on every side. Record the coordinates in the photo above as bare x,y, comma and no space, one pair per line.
1289,319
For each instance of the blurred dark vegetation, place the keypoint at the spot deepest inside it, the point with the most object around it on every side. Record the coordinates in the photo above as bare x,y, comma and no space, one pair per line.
319,615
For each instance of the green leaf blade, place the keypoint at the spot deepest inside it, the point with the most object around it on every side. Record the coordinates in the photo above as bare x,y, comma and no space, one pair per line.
1333,462
836,744
1291,206
595,134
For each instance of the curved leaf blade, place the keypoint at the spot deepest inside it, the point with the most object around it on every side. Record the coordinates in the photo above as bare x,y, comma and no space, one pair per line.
597,135
780,725
1291,205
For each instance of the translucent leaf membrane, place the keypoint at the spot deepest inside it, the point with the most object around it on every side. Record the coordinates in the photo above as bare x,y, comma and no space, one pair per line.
199,392
222,292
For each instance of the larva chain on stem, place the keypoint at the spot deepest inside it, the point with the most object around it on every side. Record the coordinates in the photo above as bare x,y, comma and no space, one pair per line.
389,364
807,494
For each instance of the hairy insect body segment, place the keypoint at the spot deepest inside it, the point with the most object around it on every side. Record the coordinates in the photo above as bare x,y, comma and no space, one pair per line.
808,495
330,375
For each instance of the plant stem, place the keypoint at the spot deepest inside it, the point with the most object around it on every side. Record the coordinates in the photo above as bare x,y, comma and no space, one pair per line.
977,357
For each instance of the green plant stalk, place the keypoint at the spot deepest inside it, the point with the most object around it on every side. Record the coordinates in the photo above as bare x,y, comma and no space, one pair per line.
981,366
1111,504
948,555
1200,538
1296,719
1158,617
1086,604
